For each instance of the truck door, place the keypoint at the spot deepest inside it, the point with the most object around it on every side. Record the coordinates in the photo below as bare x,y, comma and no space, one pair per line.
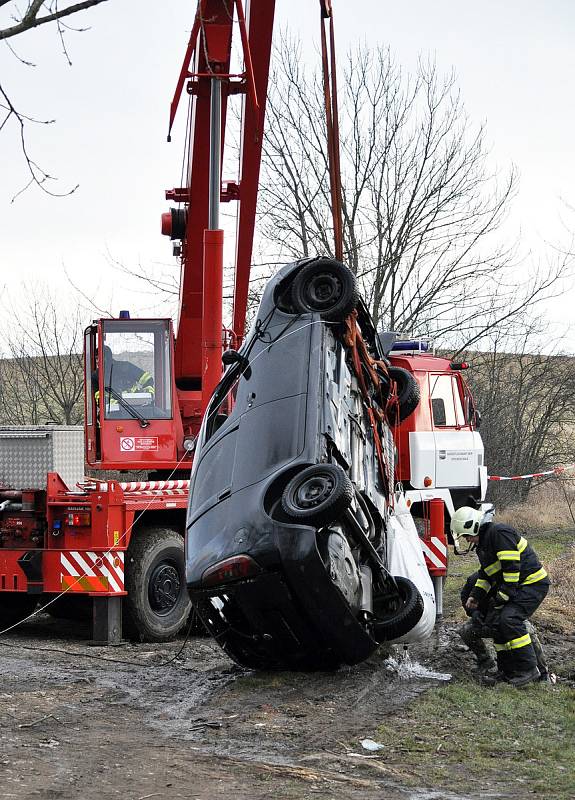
458,449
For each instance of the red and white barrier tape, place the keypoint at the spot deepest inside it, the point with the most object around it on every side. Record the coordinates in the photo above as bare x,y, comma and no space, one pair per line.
554,471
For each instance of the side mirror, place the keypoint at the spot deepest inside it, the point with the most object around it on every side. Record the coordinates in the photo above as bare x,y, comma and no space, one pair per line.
230,357
476,419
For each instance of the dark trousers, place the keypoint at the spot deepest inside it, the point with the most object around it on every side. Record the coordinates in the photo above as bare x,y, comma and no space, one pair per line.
515,652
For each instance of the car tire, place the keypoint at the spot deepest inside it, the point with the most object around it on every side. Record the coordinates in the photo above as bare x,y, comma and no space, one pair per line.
408,393
326,287
318,494
157,606
391,624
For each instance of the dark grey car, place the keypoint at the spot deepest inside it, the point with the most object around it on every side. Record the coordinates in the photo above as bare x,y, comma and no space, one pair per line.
292,484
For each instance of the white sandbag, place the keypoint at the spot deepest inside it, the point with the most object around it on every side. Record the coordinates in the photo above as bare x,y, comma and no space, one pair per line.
405,558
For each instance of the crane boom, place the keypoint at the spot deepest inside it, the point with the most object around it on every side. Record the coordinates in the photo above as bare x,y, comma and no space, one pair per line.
207,77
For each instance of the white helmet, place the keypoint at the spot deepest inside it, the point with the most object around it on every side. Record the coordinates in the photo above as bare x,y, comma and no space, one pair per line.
465,522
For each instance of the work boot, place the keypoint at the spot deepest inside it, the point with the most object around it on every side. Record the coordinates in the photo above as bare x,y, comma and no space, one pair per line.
486,664
493,678
519,679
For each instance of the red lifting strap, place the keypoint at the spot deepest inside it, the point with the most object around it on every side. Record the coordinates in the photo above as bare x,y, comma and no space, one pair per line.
364,367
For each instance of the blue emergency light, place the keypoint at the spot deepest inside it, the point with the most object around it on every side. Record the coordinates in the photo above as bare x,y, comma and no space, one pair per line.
412,346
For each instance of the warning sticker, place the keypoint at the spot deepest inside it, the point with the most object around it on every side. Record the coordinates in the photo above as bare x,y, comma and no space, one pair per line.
139,443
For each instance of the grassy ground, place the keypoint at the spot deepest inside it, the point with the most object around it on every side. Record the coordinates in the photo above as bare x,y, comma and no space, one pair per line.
504,741
507,741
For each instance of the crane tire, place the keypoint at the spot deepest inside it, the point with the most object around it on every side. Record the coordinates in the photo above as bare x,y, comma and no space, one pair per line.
408,393
392,624
157,606
327,287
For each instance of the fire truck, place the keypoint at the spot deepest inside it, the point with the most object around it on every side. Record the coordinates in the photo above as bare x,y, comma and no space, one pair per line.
440,450
113,548
440,454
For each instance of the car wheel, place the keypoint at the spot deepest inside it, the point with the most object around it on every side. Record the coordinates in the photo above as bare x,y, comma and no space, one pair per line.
318,494
327,287
408,393
157,604
394,620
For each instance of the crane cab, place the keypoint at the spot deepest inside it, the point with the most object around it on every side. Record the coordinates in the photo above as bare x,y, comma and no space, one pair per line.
132,419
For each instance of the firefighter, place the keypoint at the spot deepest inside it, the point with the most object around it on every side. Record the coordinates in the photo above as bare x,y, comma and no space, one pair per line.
509,567
480,626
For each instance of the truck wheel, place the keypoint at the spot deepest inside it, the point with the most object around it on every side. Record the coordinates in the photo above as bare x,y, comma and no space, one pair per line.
327,287
318,495
408,393
15,606
157,604
395,622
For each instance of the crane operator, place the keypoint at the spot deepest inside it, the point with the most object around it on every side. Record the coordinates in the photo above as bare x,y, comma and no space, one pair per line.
123,376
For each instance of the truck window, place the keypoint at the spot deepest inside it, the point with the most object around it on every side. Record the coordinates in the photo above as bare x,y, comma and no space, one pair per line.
88,366
446,405
137,368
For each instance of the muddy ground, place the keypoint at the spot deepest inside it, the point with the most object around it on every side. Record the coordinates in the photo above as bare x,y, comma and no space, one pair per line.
75,725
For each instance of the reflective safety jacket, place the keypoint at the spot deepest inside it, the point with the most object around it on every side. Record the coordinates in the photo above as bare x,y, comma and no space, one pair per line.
507,561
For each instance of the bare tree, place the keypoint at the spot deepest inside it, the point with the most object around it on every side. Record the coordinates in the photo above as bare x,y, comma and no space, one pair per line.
42,375
422,212
527,401
36,13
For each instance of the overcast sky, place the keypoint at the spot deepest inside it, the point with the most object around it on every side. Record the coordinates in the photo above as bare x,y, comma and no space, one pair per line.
514,62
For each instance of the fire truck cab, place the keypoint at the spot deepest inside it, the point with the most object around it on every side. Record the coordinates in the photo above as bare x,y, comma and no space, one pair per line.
440,450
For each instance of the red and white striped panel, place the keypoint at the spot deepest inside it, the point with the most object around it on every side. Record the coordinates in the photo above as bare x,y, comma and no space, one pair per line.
159,492
164,486
140,487
92,572
435,552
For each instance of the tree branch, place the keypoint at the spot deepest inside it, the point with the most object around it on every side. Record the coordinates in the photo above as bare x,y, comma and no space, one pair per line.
31,19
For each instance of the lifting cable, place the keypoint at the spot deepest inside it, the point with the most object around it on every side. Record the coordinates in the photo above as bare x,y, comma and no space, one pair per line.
360,357
332,124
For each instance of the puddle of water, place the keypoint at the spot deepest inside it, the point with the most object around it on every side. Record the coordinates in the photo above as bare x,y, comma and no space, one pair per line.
406,668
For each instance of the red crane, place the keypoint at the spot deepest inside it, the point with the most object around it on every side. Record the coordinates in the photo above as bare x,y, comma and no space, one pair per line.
151,426
146,389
